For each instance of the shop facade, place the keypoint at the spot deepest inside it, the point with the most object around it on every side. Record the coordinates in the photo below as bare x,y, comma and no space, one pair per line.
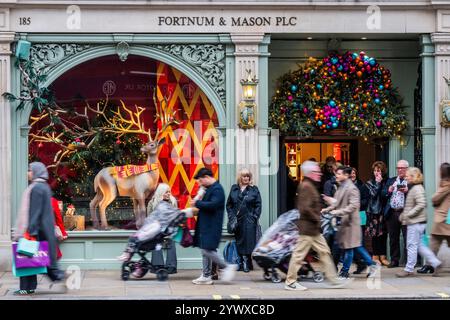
196,55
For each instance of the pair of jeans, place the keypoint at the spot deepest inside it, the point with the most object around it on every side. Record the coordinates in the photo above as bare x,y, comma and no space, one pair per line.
210,256
348,257
415,233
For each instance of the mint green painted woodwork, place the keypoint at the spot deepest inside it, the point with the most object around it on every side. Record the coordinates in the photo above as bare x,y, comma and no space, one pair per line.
97,250
264,134
428,124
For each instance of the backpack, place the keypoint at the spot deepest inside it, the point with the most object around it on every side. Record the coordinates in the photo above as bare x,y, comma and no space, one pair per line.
230,253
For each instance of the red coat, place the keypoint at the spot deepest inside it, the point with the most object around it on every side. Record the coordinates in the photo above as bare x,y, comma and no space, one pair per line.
58,222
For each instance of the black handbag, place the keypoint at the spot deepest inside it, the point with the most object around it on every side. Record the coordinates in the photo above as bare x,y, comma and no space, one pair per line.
232,220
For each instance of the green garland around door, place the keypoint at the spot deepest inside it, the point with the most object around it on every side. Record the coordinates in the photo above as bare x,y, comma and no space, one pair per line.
350,91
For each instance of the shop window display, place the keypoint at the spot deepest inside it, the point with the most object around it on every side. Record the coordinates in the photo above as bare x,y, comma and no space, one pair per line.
108,108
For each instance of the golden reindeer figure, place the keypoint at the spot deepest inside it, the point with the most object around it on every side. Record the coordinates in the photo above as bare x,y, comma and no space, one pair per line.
139,187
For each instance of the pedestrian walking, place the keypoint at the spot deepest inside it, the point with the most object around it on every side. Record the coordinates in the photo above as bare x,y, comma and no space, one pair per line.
36,220
441,202
244,205
346,205
208,230
414,217
364,196
309,205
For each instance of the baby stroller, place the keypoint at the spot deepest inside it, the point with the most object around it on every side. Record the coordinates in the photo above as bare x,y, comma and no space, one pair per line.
162,241
275,247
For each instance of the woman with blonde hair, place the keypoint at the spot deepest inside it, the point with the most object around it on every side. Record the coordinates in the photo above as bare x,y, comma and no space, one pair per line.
162,209
244,207
414,217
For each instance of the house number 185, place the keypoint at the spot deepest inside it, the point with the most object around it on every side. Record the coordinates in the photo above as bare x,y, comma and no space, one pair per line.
24,21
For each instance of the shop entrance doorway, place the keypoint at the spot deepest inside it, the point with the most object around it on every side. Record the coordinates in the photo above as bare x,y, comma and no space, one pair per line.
350,151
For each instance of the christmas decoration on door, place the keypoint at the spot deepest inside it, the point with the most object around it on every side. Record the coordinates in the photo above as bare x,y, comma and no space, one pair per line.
351,92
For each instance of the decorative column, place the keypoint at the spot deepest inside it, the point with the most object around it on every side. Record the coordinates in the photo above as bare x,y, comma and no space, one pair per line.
442,42
251,54
246,58
428,128
6,38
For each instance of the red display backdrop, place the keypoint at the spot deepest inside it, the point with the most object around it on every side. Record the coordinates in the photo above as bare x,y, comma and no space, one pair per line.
189,146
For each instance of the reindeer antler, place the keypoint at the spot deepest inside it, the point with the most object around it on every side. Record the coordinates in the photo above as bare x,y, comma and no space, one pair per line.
164,113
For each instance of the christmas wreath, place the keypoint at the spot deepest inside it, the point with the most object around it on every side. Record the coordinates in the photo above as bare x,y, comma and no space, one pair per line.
352,92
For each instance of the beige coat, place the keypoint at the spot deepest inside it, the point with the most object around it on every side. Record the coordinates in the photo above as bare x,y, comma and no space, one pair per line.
347,206
415,204
441,204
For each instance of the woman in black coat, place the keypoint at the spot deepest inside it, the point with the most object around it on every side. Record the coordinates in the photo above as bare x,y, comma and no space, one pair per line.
244,204
376,224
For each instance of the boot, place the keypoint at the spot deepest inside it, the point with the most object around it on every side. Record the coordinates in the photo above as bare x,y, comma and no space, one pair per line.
384,261
250,262
245,264
376,259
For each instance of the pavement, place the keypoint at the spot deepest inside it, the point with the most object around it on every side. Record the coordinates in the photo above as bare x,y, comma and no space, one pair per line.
107,285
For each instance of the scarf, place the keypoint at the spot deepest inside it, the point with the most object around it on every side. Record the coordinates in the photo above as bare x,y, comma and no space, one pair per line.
23,214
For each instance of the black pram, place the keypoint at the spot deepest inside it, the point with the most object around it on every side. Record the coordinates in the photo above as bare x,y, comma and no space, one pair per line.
161,241
275,247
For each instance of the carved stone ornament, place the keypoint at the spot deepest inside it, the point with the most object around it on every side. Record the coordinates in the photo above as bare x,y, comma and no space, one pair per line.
207,59
444,110
123,49
46,56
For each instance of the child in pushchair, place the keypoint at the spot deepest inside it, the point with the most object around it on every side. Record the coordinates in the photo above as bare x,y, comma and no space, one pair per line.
275,247
155,234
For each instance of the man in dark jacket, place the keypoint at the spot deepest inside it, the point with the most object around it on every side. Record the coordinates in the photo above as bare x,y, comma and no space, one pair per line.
208,230
394,194
309,206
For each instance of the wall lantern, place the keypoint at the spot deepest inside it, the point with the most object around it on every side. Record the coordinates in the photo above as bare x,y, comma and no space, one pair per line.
247,107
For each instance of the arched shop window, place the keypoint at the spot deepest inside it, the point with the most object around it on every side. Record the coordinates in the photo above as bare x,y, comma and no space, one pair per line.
131,89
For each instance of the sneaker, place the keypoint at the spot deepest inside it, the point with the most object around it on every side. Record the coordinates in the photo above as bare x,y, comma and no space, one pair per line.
24,292
374,270
343,275
340,283
426,269
202,280
295,287
404,274
229,272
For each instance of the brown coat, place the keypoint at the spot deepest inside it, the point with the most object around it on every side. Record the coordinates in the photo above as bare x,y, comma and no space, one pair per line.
441,204
347,206
309,206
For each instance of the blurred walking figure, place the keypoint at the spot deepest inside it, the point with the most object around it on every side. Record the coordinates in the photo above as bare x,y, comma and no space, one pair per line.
414,217
36,219
441,203
244,204
208,230
309,205
346,205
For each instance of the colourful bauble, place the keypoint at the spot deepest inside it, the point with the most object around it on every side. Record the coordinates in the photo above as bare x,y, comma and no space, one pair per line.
290,98
294,88
332,104
319,86
40,145
319,123
334,125
377,101
379,123
383,112
372,62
